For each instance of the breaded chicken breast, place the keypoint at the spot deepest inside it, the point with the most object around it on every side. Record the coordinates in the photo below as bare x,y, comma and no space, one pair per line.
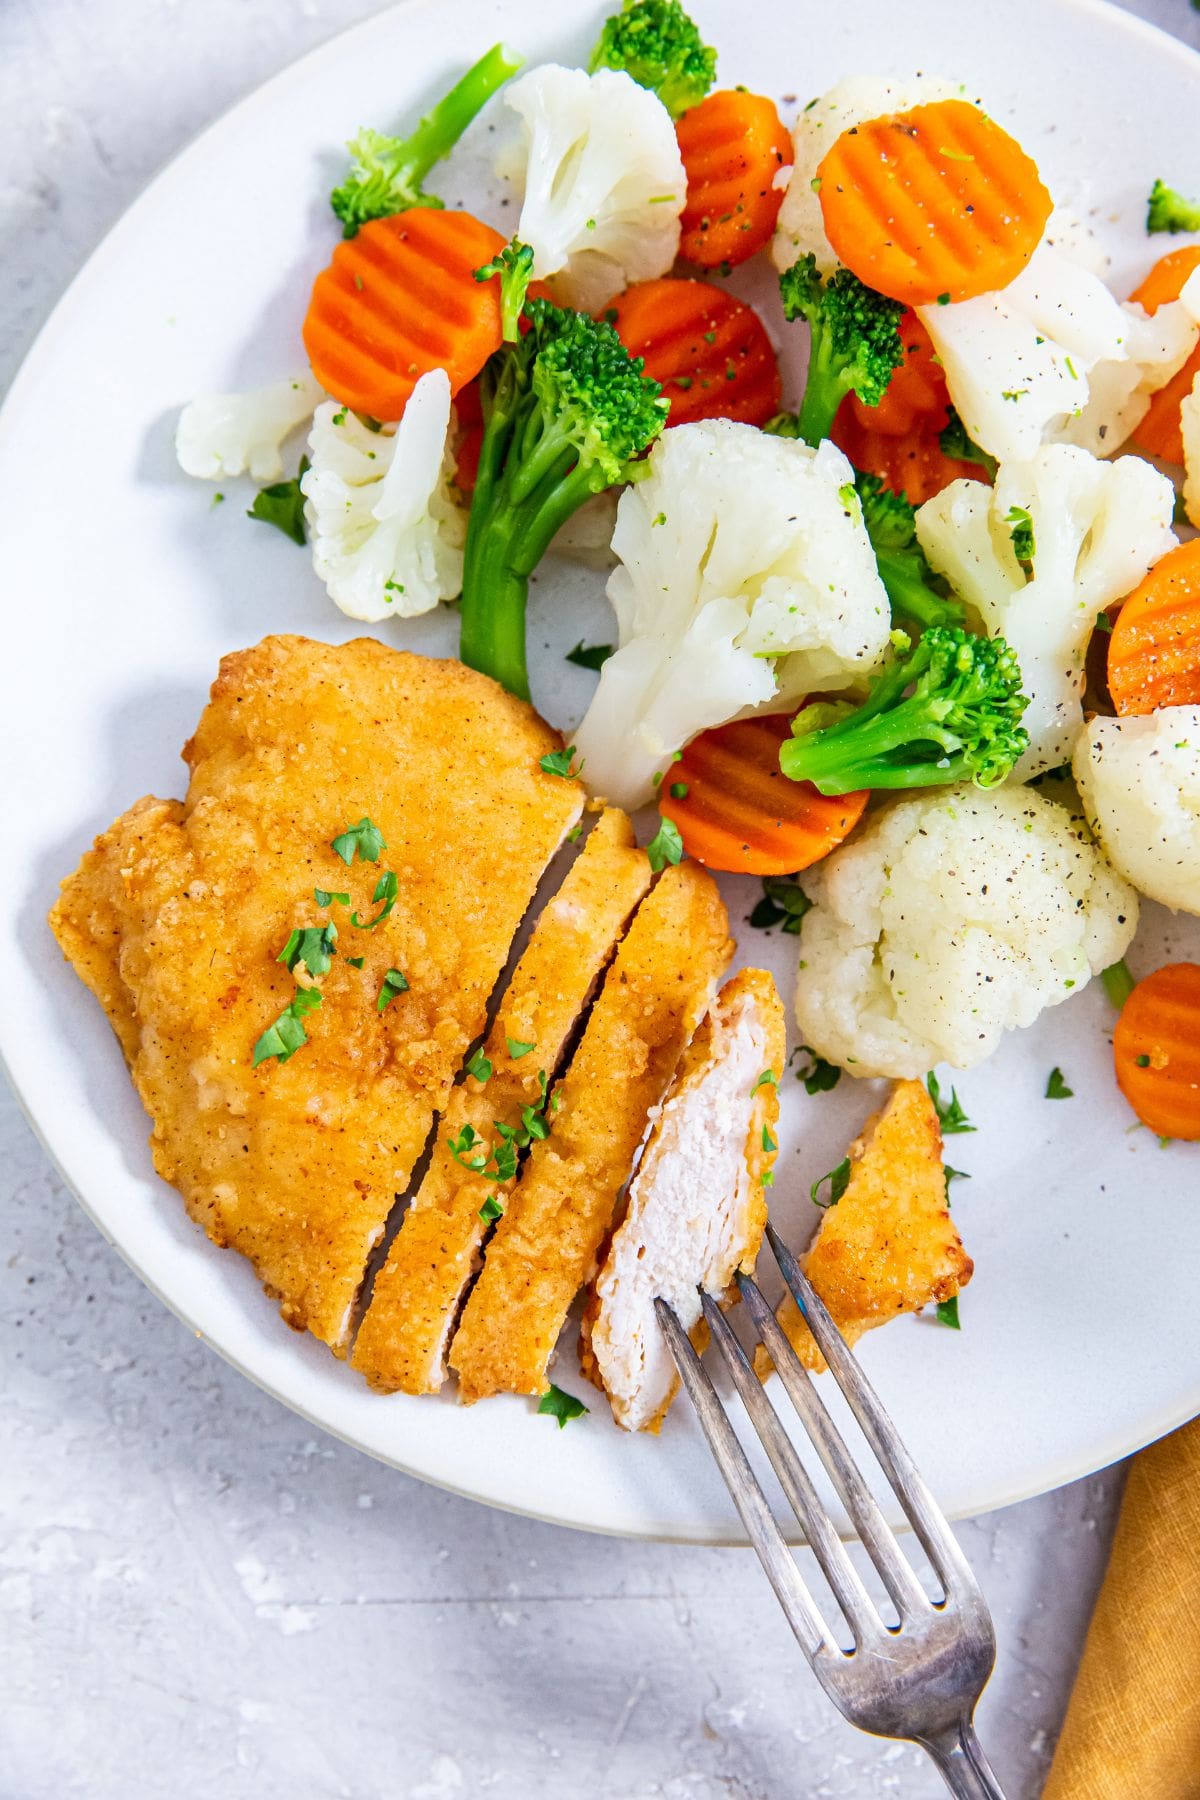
402,1340
545,1247
889,1245
697,1206
178,918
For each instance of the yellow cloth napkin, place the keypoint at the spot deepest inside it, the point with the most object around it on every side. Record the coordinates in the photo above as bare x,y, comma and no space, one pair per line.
1132,1730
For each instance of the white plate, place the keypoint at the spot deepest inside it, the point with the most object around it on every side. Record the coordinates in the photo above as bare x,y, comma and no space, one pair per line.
1081,1336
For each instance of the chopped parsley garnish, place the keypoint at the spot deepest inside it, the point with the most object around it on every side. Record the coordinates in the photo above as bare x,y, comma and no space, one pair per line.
768,1142
491,1210
666,846
1104,624
480,1067
558,762
313,945
954,1175
1056,1087
285,1036
561,1406
784,903
356,962
575,833
517,1049
1143,1062
1118,983
1024,543
326,897
820,1077
951,1116
678,790
768,1078
947,1313
282,505
386,890
590,656
463,1145
839,1181
394,982
364,839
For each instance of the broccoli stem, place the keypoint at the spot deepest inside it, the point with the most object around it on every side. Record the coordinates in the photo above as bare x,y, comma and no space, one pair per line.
911,597
826,386
853,754
439,131
493,612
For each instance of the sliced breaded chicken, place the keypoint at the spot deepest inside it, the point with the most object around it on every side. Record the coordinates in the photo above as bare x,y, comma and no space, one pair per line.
889,1246
402,1340
545,1246
186,908
696,1207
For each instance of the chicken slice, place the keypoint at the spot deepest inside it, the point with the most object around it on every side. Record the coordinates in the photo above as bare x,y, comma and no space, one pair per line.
402,1340
889,1245
696,1205
178,916
546,1245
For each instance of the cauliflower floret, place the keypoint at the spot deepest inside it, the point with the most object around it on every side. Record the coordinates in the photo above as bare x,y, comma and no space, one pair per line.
801,228
1139,780
387,538
950,919
1119,393
1189,419
745,576
1097,527
232,434
604,184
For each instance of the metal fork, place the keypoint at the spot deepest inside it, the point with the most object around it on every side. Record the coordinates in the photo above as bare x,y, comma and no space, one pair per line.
919,1680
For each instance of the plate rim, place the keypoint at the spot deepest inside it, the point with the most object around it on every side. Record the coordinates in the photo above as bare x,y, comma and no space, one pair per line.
1104,1449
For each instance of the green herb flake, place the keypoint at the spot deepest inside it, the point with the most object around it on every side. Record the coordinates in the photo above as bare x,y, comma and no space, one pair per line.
1021,533
1104,624
491,1210
947,1313
590,656
283,1038
480,1067
312,945
678,790
839,1181
394,982
386,890
325,897
666,846
517,1049
364,839
820,1077
784,903
1143,1062
575,833
1118,983
953,1175
951,1116
768,1078
558,762
356,962
1056,1087
282,505
557,1404
464,1148
768,1142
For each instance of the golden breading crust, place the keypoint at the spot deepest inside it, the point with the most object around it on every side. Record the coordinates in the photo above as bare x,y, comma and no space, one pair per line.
545,1246
889,1246
697,1205
402,1340
297,1164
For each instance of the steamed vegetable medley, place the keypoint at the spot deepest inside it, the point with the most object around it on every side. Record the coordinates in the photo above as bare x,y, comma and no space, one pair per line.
871,636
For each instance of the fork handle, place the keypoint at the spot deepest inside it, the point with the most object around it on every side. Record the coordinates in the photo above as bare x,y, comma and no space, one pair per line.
962,1765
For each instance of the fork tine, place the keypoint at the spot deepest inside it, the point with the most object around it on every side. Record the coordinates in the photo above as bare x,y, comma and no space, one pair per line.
796,1482
874,1532
920,1508
774,1555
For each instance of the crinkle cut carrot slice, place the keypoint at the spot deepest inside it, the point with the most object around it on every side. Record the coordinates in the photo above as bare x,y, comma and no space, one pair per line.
1160,432
733,145
1156,1051
914,465
709,350
1154,650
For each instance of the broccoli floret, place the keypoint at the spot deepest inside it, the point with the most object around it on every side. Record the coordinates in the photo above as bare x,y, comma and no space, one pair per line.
956,444
911,585
854,341
514,266
1169,211
567,411
387,172
947,710
656,43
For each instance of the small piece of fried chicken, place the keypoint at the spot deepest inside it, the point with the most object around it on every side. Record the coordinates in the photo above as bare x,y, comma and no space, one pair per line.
402,1340
181,920
546,1245
696,1207
889,1245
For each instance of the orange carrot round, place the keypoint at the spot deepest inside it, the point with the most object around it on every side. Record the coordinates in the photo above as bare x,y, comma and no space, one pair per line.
740,811
710,351
1154,650
1156,1051
914,465
936,201
398,299
733,145
1160,432
916,395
